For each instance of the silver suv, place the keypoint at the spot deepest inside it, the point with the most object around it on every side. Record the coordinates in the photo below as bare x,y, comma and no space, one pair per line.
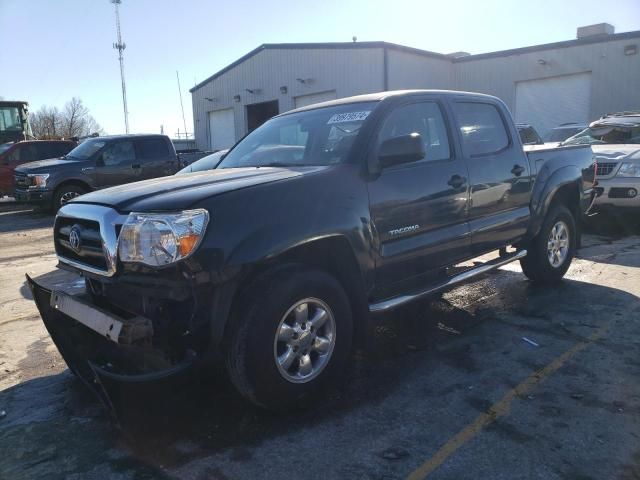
615,141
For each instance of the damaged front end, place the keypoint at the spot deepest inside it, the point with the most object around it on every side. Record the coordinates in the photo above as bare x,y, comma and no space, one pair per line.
111,352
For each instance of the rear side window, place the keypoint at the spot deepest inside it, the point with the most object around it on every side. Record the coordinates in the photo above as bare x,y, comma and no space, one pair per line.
483,131
424,118
149,148
30,153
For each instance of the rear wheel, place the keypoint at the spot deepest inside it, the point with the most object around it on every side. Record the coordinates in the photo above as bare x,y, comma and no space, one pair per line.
550,253
291,336
66,193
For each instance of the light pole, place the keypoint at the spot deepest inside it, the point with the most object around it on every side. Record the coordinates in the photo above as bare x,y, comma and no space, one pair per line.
120,46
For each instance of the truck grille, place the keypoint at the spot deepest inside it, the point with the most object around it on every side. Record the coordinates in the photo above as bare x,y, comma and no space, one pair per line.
605,169
21,180
87,248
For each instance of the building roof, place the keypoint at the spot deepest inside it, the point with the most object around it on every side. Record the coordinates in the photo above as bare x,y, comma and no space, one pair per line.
323,46
417,51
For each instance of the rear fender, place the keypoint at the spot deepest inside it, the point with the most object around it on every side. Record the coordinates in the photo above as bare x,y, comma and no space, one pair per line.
547,185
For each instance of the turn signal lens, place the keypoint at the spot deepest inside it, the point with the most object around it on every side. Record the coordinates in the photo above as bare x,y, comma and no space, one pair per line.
188,244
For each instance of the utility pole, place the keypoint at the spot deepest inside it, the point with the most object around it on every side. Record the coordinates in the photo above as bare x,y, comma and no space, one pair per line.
120,46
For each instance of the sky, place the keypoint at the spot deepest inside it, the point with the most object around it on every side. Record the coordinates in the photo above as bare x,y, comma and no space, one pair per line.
52,50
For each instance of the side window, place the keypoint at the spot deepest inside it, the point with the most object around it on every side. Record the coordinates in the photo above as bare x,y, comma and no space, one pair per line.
424,118
60,149
482,128
45,150
14,155
118,153
152,148
30,153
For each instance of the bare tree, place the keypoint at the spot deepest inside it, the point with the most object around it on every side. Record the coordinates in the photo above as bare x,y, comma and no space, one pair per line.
73,121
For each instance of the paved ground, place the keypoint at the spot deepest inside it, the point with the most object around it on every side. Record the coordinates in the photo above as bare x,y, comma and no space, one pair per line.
449,390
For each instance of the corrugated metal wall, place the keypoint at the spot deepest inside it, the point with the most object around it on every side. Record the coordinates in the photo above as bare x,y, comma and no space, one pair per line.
615,77
349,72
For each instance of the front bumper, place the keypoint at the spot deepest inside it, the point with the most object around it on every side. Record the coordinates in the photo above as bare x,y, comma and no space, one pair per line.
41,197
114,366
615,192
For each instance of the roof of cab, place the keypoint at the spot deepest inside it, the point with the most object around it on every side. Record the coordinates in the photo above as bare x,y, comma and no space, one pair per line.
379,96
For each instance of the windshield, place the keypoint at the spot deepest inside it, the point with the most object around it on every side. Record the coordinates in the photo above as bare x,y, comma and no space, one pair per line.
10,119
323,136
561,134
605,135
205,163
86,149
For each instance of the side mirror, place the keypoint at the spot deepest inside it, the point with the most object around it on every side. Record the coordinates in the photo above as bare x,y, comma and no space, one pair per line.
402,149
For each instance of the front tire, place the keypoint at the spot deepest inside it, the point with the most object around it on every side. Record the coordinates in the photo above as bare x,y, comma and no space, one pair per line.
550,253
66,193
291,336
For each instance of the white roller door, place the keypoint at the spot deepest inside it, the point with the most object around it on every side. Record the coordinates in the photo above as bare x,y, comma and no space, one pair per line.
304,100
222,129
549,102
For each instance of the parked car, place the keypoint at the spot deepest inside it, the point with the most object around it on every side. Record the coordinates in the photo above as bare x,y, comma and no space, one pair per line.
528,134
209,162
18,153
188,157
563,131
275,267
94,164
615,140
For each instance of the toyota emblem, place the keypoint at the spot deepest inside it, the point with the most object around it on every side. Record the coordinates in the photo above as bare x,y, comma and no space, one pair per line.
74,239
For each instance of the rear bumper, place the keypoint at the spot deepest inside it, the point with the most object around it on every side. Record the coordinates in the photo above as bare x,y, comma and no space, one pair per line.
107,366
40,197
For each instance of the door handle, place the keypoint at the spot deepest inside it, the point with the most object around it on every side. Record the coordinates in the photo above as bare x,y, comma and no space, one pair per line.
517,170
456,181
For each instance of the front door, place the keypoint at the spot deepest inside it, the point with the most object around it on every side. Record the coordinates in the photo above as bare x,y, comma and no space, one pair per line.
419,209
499,175
118,165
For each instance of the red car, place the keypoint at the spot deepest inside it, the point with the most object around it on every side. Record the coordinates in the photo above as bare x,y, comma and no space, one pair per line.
14,154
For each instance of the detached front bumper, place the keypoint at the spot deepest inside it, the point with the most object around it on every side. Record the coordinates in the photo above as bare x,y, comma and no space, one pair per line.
110,354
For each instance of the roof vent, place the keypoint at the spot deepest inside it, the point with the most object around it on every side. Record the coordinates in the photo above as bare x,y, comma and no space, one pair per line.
458,54
596,30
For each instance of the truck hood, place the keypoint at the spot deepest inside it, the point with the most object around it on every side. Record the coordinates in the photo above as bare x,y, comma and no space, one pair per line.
41,166
183,191
616,153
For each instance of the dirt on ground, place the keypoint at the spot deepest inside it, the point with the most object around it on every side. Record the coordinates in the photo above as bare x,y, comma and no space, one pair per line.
499,379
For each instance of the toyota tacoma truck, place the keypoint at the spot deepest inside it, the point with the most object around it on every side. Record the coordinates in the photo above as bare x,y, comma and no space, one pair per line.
324,216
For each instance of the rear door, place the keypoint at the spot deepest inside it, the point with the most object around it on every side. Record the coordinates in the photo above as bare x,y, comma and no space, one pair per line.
419,209
155,157
117,164
499,173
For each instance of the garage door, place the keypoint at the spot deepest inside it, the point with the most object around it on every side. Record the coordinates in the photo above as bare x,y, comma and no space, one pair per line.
549,102
222,129
304,100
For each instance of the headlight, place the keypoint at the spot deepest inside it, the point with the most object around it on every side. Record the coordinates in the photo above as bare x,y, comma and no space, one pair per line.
629,170
38,180
158,239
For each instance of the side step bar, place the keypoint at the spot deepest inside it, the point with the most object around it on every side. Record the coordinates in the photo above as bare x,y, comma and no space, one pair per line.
390,304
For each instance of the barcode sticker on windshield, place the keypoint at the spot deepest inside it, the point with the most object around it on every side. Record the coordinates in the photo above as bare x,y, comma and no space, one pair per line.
348,117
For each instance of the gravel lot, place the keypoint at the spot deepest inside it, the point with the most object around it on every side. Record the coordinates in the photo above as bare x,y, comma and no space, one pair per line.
448,390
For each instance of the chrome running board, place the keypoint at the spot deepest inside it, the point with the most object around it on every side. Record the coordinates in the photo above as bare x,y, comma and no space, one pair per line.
395,302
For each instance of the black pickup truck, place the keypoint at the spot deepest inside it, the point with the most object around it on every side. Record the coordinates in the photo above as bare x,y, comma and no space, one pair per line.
323,216
96,163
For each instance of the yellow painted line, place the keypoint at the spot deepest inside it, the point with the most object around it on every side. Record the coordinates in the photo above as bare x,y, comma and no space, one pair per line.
502,407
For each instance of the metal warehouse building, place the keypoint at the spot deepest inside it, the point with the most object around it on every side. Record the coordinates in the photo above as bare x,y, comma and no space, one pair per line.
545,85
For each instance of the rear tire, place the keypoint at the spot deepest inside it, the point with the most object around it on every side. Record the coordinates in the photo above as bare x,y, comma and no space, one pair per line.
65,193
281,348
550,253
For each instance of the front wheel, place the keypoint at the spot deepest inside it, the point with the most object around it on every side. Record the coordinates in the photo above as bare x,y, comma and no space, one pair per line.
291,335
66,193
550,253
